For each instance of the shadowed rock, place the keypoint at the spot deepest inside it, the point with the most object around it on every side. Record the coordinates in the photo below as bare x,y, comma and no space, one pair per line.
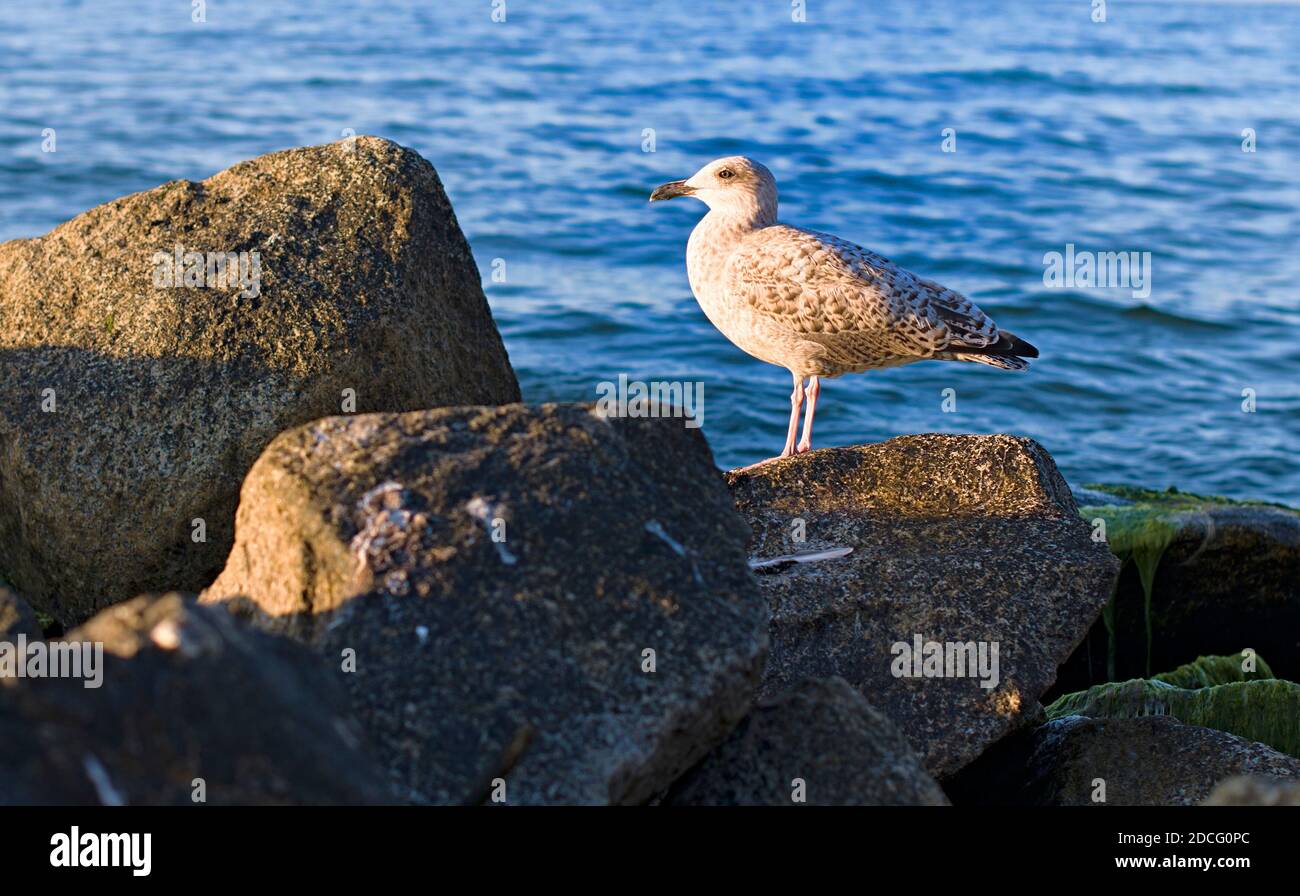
961,540
1149,761
16,617
186,693
534,594
823,734
134,408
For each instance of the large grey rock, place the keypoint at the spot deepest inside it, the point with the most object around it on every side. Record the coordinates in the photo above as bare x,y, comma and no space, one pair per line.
1223,576
500,576
821,737
1148,761
186,693
960,539
132,409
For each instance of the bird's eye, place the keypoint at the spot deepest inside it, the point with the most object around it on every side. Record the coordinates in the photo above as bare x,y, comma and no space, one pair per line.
726,174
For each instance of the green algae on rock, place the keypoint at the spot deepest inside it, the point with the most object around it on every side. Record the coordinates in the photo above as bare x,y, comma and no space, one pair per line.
1135,533
1264,710
1209,671
1139,529
1202,575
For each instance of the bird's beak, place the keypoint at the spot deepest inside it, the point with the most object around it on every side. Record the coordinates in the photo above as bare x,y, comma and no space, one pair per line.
671,191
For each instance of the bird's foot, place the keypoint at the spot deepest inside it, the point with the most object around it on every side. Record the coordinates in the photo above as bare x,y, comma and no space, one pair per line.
761,463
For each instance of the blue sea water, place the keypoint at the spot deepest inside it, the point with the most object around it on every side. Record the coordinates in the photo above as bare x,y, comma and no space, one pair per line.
1125,135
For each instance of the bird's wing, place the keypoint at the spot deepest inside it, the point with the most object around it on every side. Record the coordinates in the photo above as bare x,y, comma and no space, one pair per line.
823,288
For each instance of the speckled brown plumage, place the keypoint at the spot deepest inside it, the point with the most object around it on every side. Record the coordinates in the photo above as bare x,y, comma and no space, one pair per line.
817,304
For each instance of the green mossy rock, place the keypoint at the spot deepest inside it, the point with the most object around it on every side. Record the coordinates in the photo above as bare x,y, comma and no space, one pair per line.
1208,671
1266,711
1202,576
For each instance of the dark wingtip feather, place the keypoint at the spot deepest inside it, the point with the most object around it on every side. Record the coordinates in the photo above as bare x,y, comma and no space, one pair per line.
1016,345
1009,345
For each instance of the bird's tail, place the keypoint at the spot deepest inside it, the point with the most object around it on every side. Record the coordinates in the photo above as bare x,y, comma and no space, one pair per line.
1008,353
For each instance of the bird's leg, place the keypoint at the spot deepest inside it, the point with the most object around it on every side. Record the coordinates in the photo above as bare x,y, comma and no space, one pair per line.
814,389
796,398
796,401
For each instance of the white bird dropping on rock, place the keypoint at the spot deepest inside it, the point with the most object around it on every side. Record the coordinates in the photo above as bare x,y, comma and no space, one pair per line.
813,303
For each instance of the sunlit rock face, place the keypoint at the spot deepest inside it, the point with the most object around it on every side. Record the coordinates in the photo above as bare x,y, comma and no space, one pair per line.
527,605
151,347
971,577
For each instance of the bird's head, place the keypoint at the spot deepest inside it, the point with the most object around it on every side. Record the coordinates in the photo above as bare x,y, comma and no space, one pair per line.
734,185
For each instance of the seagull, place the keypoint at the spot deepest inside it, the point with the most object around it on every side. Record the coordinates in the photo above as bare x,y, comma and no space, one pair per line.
813,303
